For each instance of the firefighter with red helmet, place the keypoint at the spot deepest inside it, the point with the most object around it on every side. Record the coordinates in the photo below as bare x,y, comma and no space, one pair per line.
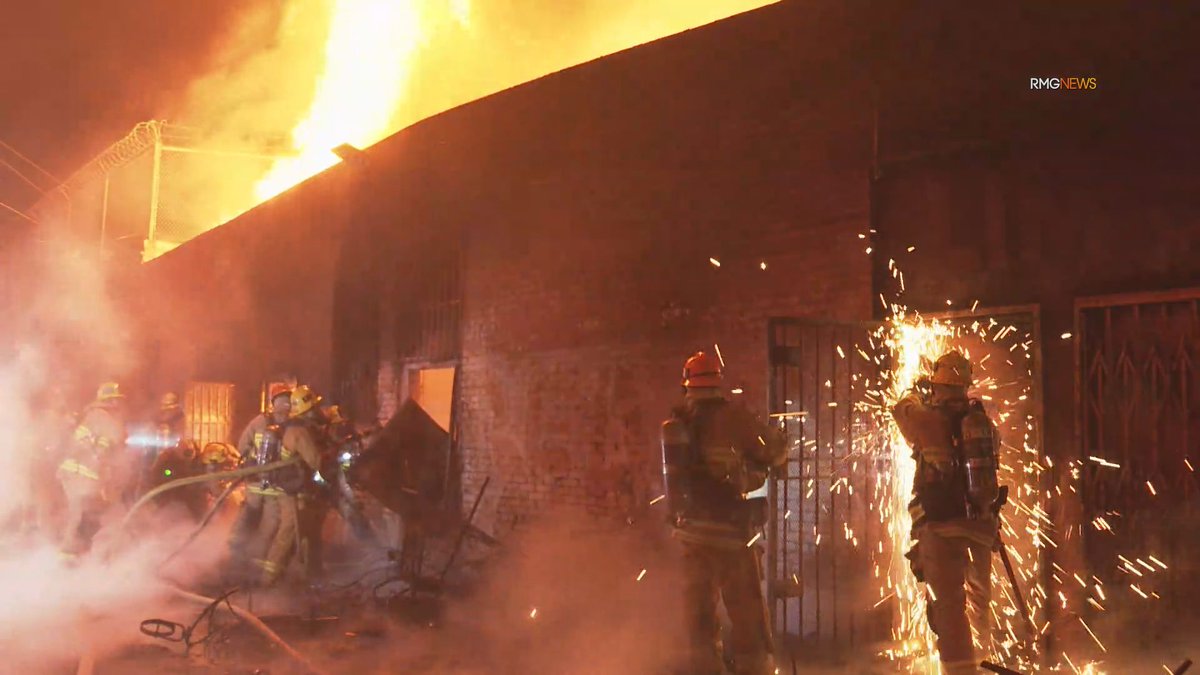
260,444
714,453
93,474
954,507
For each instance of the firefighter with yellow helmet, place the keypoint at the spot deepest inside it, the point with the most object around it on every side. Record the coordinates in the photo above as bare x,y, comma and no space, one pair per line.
260,444
714,453
93,473
302,441
954,508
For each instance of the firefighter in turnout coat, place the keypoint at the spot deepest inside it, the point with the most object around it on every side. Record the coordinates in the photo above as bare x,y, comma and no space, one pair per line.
92,474
953,510
715,452
302,438
260,444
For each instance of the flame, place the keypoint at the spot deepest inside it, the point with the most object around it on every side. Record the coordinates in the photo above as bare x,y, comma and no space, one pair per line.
909,342
369,57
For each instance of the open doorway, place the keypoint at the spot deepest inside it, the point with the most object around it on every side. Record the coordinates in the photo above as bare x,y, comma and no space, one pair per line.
432,387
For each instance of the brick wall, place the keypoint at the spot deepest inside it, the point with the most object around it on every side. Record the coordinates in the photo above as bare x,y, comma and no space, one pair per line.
588,204
246,302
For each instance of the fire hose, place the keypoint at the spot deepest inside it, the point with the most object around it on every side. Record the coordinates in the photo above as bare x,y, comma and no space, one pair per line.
206,478
255,623
245,616
204,521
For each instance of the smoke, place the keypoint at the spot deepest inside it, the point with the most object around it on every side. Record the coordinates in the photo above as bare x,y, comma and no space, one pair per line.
568,595
64,334
569,600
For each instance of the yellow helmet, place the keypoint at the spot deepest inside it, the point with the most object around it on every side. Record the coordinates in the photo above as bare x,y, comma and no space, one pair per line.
952,368
303,400
109,391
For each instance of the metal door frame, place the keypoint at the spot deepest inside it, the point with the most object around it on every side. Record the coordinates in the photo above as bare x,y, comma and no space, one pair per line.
777,550
784,355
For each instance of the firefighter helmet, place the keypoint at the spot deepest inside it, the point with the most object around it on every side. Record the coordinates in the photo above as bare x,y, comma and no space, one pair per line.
952,368
109,391
333,413
170,401
276,390
303,400
219,453
702,370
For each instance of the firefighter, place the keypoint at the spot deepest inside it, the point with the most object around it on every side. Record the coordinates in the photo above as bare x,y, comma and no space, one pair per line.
93,474
181,460
171,456
170,421
714,453
954,508
302,439
347,443
259,445
341,442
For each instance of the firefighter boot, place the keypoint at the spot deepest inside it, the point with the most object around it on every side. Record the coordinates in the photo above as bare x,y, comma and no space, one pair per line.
945,561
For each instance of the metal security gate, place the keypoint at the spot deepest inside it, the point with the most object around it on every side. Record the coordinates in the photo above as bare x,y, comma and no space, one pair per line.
1139,425
208,407
833,561
823,524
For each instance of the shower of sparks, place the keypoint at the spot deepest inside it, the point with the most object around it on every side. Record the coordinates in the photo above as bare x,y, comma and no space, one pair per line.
904,348
657,499
641,575
762,265
717,348
715,262
533,613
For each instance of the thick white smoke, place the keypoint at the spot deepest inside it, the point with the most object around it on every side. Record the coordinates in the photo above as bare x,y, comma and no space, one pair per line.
63,334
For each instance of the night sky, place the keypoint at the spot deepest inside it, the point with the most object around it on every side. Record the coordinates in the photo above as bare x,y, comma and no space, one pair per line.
78,74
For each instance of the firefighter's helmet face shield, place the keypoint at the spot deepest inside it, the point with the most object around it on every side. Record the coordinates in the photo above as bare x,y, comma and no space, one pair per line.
281,405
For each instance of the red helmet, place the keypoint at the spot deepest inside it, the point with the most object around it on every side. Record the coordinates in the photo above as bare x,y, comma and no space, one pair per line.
702,370
278,389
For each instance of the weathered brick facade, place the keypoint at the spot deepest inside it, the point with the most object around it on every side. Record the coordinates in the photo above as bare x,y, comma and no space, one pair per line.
580,212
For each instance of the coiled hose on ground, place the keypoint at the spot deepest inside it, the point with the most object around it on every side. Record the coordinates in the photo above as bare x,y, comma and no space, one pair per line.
86,663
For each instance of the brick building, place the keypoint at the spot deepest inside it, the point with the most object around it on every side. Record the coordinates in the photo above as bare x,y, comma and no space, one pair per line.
553,242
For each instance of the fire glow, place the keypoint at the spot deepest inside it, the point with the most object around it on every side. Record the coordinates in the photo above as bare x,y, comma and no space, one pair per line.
368,61
908,343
